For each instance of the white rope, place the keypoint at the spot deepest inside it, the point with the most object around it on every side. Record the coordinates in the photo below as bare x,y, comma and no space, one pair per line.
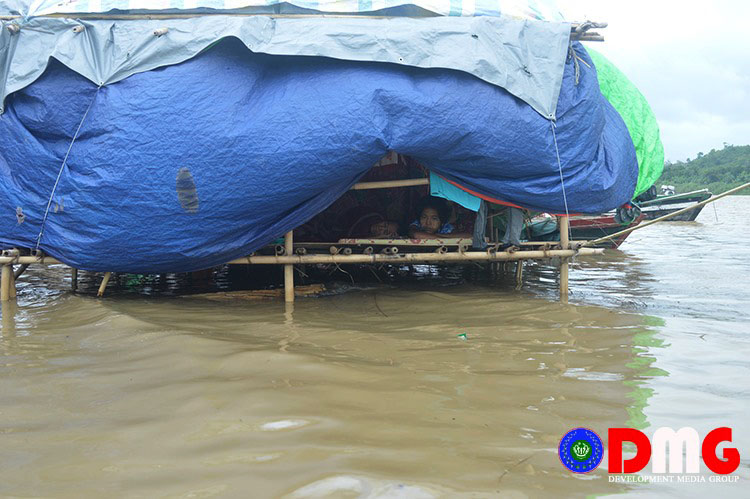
562,180
62,167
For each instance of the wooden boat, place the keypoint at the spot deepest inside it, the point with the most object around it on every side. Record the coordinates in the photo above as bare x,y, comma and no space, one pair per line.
663,205
586,228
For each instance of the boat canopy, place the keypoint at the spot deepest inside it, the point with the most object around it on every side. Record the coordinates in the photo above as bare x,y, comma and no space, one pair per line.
175,144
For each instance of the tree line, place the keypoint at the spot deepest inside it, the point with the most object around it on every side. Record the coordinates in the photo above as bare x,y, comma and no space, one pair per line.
717,171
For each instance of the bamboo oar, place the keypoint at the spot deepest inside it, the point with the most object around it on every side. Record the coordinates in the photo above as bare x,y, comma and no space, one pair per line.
665,217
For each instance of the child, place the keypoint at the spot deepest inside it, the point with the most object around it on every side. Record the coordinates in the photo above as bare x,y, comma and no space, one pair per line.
433,221
364,222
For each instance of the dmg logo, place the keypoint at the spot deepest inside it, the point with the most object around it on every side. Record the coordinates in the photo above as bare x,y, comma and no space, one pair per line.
666,437
581,451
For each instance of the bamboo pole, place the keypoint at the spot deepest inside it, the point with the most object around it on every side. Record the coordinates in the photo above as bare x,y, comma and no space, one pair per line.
373,258
387,184
8,326
74,279
665,217
12,288
565,244
289,268
519,274
7,275
46,260
21,269
103,285
401,258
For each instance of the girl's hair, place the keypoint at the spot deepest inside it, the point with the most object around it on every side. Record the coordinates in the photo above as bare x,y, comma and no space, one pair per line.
437,204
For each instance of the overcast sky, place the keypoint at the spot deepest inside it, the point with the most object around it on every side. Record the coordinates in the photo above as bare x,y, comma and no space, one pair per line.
690,59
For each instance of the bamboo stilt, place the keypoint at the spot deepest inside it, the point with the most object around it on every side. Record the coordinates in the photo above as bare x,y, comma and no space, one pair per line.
519,274
289,269
565,244
8,310
74,279
7,275
103,285
12,289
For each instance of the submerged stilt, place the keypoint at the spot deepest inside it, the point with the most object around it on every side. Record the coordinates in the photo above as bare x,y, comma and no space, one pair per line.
5,282
103,285
12,289
565,244
519,274
289,269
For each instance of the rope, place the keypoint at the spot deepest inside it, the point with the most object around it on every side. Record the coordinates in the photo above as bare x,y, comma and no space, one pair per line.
562,181
62,167
572,54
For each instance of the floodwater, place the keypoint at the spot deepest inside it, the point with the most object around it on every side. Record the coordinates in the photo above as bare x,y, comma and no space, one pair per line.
372,392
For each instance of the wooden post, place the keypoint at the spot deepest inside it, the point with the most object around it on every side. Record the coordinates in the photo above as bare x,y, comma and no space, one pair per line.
74,279
7,276
103,286
289,269
563,224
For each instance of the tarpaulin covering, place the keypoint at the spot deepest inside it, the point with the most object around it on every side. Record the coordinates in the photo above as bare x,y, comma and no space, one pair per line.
531,9
191,165
640,120
524,57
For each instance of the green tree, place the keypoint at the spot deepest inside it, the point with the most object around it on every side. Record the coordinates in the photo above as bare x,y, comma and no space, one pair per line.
717,171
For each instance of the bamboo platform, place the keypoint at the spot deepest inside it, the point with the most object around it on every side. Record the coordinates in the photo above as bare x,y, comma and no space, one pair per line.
437,251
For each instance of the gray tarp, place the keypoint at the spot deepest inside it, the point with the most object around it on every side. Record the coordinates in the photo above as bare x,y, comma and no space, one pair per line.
525,57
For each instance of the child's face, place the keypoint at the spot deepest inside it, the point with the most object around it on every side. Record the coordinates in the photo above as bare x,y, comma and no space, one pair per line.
430,220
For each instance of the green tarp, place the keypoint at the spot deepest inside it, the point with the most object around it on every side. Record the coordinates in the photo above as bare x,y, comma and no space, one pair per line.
637,114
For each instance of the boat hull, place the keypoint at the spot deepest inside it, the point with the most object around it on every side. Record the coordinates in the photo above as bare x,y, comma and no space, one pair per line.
587,228
688,216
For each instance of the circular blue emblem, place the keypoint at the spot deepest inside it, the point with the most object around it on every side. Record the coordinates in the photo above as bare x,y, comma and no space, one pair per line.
581,450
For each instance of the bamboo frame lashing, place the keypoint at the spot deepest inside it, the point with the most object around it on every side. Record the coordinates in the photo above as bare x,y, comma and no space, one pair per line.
564,224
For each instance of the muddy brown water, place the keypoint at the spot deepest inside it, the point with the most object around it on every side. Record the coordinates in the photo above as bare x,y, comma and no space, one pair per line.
370,391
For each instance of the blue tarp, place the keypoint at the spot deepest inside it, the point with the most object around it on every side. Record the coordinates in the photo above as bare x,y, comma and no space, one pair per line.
191,165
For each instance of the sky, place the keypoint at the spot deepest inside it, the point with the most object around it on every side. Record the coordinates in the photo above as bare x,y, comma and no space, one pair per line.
690,59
